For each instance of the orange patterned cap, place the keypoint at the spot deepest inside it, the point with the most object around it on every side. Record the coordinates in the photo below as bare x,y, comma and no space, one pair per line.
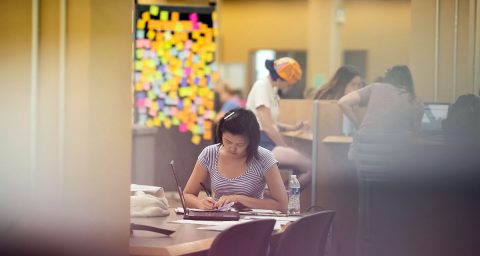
288,69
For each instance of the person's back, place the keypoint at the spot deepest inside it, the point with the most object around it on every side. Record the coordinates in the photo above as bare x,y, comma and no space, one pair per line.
389,110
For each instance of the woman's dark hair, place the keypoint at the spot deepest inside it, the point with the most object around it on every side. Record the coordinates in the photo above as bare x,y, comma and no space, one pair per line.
243,122
335,88
400,77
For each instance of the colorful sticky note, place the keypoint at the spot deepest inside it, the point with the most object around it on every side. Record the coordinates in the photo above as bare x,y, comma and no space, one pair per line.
154,10
196,139
167,123
182,128
141,24
145,16
207,135
140,33
175,16
151,34
164,15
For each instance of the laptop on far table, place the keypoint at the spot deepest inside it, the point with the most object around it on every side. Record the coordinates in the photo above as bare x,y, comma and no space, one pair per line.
200,215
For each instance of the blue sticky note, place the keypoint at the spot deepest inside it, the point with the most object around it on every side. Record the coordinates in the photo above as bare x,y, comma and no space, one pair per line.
140,33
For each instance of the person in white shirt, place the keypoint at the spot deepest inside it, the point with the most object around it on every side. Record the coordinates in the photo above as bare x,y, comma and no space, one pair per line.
263,101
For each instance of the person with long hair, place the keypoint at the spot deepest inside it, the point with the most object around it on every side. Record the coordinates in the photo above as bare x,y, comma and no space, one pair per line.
237,167
392,106
347,79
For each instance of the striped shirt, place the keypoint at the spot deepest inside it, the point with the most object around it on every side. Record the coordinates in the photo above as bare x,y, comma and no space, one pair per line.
251,183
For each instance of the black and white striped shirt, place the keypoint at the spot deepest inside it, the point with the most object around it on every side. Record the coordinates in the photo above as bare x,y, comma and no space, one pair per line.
251,183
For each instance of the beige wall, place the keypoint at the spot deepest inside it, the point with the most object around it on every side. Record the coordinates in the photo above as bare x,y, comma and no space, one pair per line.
380,27
444,73
65,150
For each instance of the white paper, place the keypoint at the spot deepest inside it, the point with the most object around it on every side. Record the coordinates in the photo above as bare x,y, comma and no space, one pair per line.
203,222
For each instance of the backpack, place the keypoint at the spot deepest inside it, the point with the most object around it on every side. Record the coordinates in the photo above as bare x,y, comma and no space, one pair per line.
463,118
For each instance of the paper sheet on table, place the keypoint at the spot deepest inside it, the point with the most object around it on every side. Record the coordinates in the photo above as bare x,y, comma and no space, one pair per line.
207,222
277,218
222,226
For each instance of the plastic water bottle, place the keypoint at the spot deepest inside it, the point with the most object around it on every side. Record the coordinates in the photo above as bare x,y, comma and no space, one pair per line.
293,195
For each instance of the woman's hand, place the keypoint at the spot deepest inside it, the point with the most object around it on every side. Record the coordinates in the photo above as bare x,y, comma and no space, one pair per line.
303,125
226,199
208,203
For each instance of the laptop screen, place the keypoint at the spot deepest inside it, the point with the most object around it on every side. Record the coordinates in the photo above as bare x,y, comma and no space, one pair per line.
180,192
433,115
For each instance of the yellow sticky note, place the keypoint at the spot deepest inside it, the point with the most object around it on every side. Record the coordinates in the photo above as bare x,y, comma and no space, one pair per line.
200,110
138,87
151,34
173,95
139,53
138,65
196,139
167,123
179,46
141,24
154,10
156,121
214,15
149,123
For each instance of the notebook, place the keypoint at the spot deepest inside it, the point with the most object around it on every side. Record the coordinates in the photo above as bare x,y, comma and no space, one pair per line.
202,215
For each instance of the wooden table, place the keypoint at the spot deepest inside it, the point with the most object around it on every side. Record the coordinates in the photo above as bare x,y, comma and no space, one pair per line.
186,240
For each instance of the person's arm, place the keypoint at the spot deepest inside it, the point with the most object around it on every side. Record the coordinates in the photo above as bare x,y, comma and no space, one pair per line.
193,187
347,104
292,127
278,194
268,125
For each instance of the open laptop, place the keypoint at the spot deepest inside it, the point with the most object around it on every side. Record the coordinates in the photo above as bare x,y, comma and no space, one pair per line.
433,116
198,215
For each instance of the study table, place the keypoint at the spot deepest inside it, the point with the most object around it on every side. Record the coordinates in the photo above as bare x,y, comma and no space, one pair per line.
187,239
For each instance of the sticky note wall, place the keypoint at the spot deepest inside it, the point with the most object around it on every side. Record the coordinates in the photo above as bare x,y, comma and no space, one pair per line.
174,69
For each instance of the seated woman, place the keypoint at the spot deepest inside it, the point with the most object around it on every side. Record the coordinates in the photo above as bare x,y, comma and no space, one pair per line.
347,79
230,99
237,167
392,106
263,100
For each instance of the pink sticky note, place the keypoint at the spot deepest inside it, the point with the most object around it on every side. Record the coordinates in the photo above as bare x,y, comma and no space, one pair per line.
146,86
182,128
140,103
174,111
193,17
188,71
148,102
152,112
195,25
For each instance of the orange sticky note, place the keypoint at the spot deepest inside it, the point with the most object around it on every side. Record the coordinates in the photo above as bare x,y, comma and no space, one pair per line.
145,16
207,135
175,16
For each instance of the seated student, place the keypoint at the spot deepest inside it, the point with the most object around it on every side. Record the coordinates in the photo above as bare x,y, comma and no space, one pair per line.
237,167
392,106
347,79
263,101
229,98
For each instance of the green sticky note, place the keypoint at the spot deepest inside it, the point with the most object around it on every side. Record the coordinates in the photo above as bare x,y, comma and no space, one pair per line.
139,53
138,65
196,129
154,10
164,15
318,80
175,121
151,95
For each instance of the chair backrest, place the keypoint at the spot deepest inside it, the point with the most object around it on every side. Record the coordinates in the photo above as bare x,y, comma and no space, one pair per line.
250,238
306,236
